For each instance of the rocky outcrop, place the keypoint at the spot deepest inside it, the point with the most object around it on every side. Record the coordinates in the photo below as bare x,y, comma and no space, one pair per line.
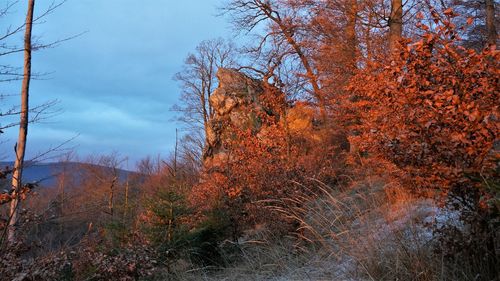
239,103
235,103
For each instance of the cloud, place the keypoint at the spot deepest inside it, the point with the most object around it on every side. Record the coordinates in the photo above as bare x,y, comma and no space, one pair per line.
114,83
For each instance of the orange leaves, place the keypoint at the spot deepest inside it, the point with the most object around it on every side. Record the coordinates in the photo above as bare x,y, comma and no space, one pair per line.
5,198
262,165
423,26
455,99
234,192
458,137
475,115
435,121
450,13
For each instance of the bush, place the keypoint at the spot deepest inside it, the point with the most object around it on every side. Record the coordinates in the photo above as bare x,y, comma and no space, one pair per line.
432,112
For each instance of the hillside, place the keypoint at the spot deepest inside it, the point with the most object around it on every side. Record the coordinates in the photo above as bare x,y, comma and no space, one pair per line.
45,174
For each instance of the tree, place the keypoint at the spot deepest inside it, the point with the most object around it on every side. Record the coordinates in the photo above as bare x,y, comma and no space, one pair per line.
28,114
351,35
102,177
198,80
191,150
432,112
23,126
481,14
491,29
284,27
395,23
337,50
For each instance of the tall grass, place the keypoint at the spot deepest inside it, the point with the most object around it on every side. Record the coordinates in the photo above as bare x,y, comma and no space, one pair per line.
369,230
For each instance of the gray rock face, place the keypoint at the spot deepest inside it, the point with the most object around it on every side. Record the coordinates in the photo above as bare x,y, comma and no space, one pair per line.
234,102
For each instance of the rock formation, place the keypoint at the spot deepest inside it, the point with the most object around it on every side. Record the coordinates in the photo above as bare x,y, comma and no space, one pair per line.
239,103
231,102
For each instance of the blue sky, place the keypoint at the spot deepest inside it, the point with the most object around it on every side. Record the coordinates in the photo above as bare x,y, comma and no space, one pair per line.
114,83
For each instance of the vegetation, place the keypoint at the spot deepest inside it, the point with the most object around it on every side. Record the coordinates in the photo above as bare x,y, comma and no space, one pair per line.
355,140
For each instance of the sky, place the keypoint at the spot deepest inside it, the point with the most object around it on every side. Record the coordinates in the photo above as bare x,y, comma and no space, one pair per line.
114,83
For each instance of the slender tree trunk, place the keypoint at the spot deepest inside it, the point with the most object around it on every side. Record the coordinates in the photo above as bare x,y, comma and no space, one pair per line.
23,126
206,115
311,75
310,72
175,157
125,212
170,222
203,102
112,193
62,183
207,107
352,39
395,24
490,22
287,132
368,38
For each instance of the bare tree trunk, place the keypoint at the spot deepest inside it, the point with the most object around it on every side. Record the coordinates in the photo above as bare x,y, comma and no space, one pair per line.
125,212
310,72
112,193
175,156
170,222
23,126
490,22
206,115
395,24
352,39
311,75
62,182
288,135
368,38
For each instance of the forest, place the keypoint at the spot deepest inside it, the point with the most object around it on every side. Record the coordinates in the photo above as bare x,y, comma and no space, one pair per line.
345,140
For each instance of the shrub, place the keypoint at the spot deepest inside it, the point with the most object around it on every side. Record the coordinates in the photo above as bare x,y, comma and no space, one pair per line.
432,112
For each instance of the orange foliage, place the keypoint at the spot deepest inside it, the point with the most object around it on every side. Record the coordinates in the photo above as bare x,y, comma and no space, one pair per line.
433,111
265,165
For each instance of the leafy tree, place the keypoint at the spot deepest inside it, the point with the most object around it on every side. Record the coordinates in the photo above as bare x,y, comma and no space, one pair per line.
433,111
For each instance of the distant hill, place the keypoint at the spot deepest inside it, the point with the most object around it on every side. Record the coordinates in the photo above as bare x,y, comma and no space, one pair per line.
46,173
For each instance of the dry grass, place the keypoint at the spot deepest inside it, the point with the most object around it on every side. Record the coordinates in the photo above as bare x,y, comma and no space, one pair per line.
368,231
374,228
